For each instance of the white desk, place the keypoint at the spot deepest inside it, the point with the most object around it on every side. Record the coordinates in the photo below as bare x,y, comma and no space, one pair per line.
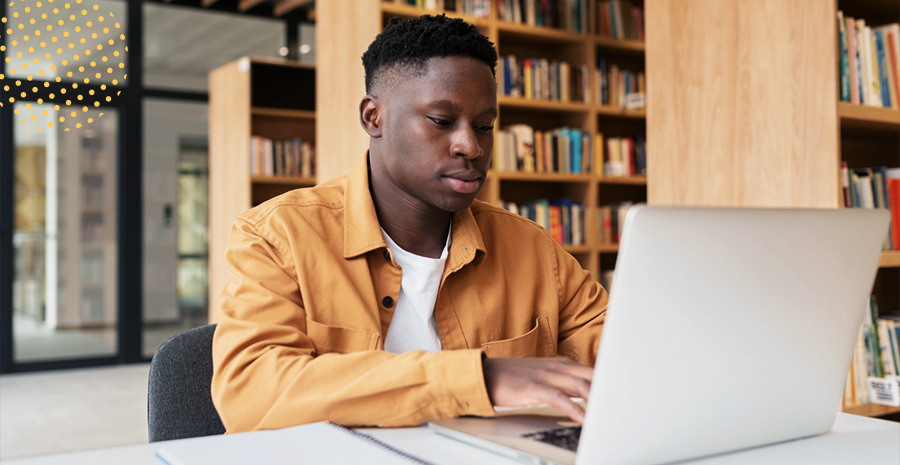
852,440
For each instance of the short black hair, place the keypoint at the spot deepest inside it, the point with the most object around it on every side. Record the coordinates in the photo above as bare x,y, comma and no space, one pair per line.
411,42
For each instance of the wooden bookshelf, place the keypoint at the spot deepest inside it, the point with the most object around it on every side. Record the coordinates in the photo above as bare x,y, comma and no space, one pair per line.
883,119
283,113
542,105
540,177
890,259
249,97
629,180
706,121
628,46
341,84
872,410
299,181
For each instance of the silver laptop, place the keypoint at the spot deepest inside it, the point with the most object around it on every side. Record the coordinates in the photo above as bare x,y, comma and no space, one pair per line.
726,329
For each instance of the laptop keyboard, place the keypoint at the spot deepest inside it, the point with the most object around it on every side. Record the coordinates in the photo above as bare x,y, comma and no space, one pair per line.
567,438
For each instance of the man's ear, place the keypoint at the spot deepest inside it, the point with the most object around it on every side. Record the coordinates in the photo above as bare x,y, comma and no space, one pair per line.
370,115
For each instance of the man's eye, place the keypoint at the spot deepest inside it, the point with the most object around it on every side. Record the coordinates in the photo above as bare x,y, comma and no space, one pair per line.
439,121
484,129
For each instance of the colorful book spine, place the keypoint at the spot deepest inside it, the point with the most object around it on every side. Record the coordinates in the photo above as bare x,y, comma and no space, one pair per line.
845,70
562,218
281,158
871,188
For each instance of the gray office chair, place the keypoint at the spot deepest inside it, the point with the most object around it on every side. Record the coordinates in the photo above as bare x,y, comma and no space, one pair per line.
179,404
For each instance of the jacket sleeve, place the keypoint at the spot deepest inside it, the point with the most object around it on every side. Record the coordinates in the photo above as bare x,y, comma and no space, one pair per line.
267,374
583,304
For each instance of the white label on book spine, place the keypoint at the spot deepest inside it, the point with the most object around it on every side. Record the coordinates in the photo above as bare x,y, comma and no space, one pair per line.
885,391
635,101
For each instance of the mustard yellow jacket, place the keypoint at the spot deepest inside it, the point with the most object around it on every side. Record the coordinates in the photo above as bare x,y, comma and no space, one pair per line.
313,284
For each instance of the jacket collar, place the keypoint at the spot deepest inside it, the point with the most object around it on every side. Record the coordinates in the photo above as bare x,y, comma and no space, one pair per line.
362,231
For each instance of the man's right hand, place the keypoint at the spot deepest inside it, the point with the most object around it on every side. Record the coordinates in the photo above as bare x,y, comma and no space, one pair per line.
523,382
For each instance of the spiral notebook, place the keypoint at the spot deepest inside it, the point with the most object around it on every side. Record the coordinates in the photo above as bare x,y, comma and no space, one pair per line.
313,444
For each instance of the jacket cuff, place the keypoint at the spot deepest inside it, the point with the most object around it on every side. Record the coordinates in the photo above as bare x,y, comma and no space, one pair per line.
461,378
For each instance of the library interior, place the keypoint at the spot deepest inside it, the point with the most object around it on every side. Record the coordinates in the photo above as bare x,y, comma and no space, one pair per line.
134,132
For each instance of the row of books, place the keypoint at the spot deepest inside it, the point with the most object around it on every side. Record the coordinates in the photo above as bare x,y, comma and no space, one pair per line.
543,79
619,87
611,221
282,158
476,8
568,15
875,188
562,150
562,218
870,62
620,19
877,354
625,156
568,151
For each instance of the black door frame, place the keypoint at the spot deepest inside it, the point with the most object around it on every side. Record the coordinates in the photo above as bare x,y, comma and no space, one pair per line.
129,281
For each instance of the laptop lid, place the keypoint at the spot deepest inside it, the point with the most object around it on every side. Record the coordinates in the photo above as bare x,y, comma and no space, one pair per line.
728,329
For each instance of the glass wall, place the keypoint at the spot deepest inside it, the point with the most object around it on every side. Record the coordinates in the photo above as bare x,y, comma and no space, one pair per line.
64,239
175,219
66,290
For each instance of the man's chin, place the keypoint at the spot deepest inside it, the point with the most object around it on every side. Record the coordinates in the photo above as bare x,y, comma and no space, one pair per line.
458,203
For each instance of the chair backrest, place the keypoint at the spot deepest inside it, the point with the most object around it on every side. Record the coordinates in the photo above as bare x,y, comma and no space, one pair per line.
179,403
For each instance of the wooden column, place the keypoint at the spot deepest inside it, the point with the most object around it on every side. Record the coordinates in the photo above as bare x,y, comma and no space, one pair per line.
344,29
741,106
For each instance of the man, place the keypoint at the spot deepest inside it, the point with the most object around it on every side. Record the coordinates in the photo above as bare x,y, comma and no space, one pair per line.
391,296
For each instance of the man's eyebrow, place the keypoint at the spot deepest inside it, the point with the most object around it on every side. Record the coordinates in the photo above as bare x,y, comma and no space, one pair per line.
449,105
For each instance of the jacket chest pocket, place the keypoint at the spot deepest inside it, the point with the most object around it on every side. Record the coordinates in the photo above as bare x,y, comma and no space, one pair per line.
335,339
538,342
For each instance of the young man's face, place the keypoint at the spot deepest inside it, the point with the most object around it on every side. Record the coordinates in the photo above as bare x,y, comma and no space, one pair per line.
436,134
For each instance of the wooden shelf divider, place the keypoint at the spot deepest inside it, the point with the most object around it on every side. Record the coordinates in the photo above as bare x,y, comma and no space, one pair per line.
853,114
890,259
871,410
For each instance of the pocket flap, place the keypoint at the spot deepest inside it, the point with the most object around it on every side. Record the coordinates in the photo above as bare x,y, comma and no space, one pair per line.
335,339
534,343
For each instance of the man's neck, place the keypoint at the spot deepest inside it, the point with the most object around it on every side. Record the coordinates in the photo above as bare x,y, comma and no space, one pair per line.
416,227
415,231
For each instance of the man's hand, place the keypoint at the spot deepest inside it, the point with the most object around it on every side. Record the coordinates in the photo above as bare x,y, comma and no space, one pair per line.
521,382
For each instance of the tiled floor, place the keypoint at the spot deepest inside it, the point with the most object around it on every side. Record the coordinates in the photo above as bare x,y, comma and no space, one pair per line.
68,410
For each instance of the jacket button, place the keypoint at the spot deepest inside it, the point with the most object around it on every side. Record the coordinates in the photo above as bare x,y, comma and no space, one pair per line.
387,301
387,256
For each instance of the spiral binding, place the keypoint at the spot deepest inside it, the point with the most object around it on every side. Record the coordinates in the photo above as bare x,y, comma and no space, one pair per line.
360,434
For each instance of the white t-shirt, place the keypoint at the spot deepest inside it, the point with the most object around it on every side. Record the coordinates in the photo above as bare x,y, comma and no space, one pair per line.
412,326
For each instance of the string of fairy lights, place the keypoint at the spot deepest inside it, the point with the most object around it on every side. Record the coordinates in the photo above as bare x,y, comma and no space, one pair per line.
105,31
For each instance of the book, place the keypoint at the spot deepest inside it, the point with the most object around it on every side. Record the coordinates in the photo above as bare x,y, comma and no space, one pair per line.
844,68
316,443
894,197
885,348
852,61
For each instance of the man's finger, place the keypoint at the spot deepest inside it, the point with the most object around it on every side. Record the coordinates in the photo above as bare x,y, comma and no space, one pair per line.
562,402
570,385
